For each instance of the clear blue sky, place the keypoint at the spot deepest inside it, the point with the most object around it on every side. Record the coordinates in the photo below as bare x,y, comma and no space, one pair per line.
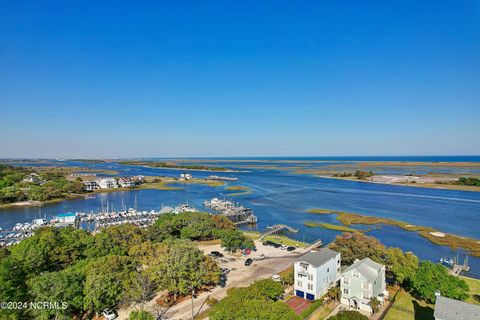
239,78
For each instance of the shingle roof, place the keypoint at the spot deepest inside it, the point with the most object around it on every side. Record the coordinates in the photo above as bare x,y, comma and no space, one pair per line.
450,309
318,258
367,268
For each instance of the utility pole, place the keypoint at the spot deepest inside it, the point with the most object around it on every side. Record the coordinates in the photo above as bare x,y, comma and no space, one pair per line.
193,292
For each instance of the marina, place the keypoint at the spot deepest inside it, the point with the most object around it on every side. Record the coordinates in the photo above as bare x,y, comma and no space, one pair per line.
88,221
236,213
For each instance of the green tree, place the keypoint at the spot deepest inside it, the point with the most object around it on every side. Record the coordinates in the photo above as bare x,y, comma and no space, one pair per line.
356,245
258,301
374,303
400,266
106,279
183,268
349,315
140,315
12,287
334,293
60,286
234,240
431,277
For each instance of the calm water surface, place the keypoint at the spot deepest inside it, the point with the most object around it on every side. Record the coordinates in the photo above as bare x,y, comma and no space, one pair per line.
281,197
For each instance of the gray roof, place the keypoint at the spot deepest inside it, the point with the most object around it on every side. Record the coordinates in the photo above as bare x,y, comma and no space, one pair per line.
450,309
318,258
367,268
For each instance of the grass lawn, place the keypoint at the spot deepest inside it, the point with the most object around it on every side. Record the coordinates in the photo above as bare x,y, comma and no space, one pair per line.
286,241
407,307
474,285
323,312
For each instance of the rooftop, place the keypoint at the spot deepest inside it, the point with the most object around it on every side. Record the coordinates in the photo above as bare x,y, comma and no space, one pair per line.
318,258
367,268
450,309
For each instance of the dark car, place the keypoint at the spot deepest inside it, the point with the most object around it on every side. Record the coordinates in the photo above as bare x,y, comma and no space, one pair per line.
249,261
276,245
291,248
216,254
268,243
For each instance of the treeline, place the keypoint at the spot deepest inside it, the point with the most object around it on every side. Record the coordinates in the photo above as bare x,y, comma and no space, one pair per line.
420,279
466,181
21,184
360,174
171,165
118,266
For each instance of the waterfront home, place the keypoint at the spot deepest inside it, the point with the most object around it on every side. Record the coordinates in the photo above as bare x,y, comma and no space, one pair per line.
90,185
361,281
315,272
127,182
185,176
450,309
107,183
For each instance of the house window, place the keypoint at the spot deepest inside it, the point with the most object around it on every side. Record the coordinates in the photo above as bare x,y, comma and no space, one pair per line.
346,281
310,286
366,286
328,269
310,277
355,273
346,291
299,283
365,295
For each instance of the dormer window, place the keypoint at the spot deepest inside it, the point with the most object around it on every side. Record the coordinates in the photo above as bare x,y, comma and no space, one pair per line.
355,273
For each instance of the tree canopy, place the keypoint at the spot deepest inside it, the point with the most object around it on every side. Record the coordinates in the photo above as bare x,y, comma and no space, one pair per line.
431,277
258,301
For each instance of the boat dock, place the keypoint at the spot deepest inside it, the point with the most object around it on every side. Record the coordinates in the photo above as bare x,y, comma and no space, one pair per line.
278,228
87,221
236,213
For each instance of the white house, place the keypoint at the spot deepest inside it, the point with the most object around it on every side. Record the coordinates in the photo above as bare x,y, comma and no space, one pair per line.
107,183
186,176
127,182
361,281
450,309
315,272
90,185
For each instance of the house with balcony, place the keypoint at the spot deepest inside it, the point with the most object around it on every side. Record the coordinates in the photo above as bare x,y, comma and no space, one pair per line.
127,182
315,272
361,281
107,183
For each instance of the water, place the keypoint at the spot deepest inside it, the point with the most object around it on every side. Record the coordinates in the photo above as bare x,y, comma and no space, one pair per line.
281,197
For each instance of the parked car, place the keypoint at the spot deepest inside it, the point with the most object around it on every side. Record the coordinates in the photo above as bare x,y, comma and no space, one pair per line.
283,247
259,257
291,248
109,314
276,245
224,270
276,278
249,261
216,254
267,243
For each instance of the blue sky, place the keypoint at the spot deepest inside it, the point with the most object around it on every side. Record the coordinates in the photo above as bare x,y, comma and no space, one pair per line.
244,78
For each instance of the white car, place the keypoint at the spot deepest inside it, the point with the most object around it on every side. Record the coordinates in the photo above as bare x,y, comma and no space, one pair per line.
276,278
109,314
260,257
283,247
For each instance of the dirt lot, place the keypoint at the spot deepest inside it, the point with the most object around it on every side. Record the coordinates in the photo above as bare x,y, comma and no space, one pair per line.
240,276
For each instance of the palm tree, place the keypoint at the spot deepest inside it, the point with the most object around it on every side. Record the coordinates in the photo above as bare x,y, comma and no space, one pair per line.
375,304
334,293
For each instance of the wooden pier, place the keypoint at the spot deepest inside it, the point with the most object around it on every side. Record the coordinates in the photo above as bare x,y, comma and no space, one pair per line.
278,228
